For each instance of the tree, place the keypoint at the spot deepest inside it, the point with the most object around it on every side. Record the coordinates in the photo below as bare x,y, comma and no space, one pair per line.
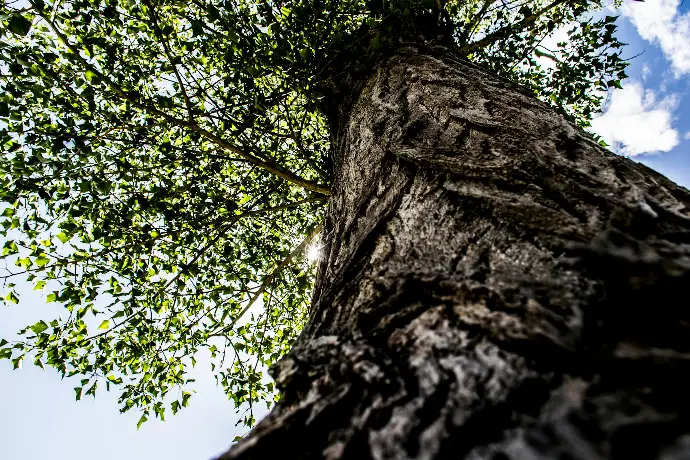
477,245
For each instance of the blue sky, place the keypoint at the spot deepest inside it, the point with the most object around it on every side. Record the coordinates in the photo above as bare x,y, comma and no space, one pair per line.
648,120
39,417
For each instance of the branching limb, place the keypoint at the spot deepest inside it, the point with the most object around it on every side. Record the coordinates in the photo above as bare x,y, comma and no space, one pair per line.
506,31
476,19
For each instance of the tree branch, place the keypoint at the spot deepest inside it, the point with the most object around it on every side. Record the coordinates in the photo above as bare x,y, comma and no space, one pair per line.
269,166
477,19
166,49
525,24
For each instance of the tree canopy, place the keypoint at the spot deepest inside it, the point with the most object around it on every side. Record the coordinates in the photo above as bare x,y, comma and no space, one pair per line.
165,164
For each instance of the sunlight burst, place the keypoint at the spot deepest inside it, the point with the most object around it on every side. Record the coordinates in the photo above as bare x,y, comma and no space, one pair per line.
313,253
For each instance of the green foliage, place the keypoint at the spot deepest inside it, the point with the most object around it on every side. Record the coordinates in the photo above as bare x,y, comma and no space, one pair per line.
165,164
571,75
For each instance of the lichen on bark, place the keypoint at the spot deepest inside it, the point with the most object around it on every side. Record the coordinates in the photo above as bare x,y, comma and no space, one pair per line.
494,285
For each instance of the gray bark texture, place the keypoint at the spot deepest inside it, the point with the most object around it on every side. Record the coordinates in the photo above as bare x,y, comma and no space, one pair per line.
494,285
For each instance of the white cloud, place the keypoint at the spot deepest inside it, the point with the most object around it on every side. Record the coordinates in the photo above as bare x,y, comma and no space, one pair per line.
660,22
645,71
636,122
687,136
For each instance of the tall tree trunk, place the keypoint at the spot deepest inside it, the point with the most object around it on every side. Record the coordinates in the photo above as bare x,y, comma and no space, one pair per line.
494,285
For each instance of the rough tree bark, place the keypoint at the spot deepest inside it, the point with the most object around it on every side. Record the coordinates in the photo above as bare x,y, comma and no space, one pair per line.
494,285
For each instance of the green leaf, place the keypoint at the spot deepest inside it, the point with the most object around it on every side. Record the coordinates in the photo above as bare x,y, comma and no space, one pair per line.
104,325
62,237
92,390
39,327
92,77
115,380
141,421
615,84
197,28
41,261
19,25
39,285
11,297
